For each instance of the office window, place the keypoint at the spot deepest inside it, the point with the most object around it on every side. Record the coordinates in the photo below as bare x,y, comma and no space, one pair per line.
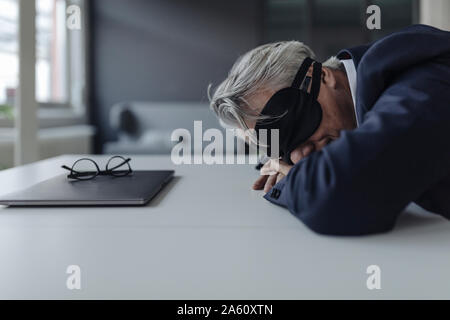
8,54
328,25
60,55
51,45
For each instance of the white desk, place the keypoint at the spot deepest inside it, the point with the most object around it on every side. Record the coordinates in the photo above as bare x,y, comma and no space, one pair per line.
207,236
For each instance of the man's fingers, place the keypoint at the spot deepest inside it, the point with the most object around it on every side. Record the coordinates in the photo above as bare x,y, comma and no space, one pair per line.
270,167
284,167
270,183
272,172
260,182
301,152
279,177
274,166
296,155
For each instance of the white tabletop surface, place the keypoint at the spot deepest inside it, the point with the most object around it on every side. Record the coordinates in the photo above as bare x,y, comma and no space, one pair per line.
207,235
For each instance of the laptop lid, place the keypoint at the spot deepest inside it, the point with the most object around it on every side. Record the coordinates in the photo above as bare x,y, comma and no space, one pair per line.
138,188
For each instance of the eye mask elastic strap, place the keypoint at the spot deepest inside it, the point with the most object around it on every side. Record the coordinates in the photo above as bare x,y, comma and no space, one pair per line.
301,73
316,77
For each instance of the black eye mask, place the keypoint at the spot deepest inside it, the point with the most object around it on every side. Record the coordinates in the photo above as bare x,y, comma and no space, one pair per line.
293,111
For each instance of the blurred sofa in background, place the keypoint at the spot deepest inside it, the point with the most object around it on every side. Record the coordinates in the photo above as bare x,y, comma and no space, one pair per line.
146,127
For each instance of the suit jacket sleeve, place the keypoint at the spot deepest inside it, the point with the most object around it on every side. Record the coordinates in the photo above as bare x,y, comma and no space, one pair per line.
360,183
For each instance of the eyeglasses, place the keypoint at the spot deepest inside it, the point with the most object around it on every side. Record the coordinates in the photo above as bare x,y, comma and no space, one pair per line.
87,169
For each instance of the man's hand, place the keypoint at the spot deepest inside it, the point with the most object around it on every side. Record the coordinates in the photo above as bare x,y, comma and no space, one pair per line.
272,172
275,170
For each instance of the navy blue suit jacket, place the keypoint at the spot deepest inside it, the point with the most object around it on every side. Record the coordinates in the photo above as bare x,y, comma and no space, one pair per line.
400,153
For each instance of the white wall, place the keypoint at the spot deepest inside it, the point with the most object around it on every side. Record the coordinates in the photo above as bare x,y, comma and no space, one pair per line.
435,13
164,50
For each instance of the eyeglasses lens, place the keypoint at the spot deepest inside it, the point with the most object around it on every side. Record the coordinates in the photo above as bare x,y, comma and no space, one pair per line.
118,166
84,169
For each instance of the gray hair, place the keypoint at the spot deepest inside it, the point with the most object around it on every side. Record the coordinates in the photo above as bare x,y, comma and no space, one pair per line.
272,65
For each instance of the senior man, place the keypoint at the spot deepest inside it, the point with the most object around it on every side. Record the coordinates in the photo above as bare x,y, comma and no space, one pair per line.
361,136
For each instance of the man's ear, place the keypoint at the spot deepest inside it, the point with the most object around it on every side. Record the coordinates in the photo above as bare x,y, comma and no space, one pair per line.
329,77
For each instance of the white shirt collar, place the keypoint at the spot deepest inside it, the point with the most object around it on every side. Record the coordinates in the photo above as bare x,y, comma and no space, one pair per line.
351,76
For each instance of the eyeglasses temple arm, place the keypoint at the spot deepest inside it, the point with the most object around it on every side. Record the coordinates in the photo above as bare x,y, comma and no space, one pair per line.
70,169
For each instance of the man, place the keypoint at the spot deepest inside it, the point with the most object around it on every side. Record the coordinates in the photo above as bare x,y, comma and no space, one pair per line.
383,139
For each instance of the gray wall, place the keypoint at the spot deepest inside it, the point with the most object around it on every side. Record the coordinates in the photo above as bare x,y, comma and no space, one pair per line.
164,50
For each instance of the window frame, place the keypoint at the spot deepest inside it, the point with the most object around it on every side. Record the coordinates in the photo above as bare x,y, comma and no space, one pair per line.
69,104
71,112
